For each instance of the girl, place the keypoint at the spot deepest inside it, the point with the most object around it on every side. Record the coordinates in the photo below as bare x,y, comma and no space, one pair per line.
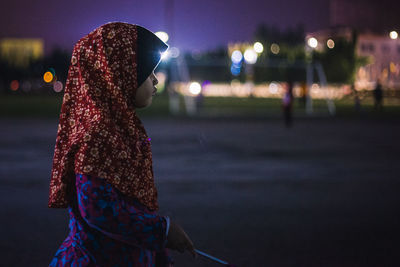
102,167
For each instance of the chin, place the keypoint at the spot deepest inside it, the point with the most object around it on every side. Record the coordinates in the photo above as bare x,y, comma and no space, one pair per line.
147,104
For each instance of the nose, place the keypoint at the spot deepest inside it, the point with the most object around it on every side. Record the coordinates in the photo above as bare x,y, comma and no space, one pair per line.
155,81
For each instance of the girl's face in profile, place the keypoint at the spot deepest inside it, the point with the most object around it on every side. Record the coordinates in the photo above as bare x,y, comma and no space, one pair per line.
146,91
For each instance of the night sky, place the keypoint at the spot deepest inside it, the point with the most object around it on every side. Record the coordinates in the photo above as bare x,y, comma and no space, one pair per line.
198,25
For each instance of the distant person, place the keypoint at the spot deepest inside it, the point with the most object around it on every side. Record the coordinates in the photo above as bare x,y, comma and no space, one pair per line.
102,166
287,104
378,96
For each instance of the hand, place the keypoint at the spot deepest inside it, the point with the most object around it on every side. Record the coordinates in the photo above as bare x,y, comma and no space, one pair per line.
178,239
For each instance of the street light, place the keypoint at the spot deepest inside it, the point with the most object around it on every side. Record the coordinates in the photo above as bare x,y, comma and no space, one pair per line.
312,42
393,35
258,47
163,36
275,49
236,56
195,88
48,77
330,44
250,56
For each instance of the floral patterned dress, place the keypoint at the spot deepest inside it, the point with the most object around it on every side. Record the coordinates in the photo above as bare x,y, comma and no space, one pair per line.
109,229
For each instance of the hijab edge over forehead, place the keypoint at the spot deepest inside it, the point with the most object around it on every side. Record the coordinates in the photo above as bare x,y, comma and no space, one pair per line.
149,48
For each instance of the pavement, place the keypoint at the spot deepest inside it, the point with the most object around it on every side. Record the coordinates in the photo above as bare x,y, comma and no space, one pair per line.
247,190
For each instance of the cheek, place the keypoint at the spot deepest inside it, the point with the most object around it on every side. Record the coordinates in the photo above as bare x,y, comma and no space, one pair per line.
149,88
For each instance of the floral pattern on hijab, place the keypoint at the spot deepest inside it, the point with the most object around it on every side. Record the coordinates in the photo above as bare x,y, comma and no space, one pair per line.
99,132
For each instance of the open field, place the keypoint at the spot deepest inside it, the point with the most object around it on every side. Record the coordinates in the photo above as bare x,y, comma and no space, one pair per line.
48,106
323,193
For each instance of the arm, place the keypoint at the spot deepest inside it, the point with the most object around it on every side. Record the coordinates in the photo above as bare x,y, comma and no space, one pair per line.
107,210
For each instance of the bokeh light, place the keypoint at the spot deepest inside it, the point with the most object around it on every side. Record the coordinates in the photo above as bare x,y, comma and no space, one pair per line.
236,57
312,42
275,49
14,85
250,56
393,35
163,36
195,88
258,47
48,77
273,88
58,86
174,52
235,69
330,44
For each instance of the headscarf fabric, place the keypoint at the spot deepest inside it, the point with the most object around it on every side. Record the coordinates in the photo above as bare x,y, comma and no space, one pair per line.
99,132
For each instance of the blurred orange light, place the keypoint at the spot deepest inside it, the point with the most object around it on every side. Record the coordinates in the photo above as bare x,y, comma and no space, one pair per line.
393,67
14,85
330,43
275,49
48,77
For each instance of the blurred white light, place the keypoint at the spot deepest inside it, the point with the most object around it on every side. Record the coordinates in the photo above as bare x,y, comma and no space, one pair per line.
58,86
275,49
393,35
315,88
174,52
163,36
312,42
273,88
250,56
165,55
330,43
258,47
236,56
195,88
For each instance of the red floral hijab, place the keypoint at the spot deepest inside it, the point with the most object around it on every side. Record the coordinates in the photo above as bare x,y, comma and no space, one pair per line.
99,132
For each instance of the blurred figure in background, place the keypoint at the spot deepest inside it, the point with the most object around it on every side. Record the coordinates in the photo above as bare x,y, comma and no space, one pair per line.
303,96
357,100
378,96
287,104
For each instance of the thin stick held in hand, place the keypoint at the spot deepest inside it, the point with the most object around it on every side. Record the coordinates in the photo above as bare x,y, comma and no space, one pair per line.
210,257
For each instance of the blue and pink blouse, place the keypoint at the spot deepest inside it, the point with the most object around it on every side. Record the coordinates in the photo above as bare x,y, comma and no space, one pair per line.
109,229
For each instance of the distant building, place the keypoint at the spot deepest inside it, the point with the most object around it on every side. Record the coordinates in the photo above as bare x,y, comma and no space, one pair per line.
385,59
373,21
382,51
20,52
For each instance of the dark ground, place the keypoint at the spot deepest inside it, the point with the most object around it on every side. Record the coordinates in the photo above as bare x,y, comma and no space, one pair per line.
324,193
